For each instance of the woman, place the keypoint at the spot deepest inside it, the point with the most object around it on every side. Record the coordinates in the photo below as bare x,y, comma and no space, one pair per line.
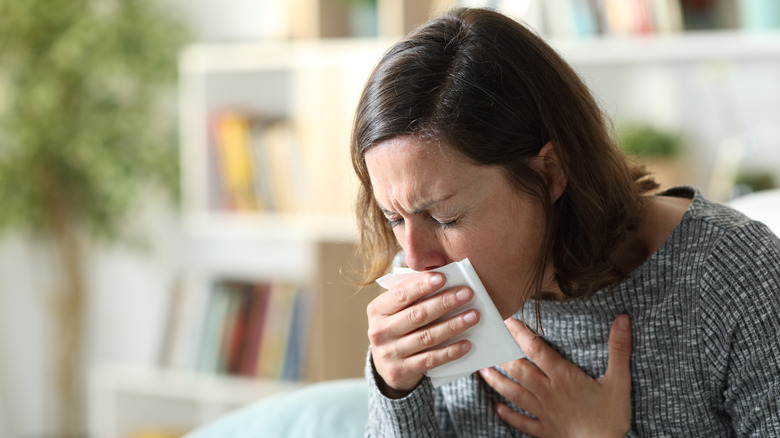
473,138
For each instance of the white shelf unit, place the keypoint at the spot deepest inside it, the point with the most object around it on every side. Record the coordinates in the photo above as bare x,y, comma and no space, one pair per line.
124,401
313,84
127,400
680,47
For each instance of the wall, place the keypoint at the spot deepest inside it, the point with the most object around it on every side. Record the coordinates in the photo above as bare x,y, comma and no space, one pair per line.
128,295
708,103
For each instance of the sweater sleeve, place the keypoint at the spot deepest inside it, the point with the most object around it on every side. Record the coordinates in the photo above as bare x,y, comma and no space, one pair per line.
741,329
413,415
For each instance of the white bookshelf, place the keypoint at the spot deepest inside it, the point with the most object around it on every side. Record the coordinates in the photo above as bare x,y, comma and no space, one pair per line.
314,84
126,400
671,48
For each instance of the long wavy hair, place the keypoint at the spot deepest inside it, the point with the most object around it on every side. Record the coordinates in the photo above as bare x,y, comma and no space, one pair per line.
493,90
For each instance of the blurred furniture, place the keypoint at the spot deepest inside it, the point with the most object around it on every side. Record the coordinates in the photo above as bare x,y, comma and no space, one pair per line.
334,409
126,401
763,206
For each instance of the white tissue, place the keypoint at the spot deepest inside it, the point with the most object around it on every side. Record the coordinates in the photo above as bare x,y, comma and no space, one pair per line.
491,342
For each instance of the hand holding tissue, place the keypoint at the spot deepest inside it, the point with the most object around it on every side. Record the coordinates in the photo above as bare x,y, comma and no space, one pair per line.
491,342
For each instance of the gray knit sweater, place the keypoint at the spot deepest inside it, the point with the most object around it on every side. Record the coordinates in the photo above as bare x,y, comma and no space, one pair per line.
705,311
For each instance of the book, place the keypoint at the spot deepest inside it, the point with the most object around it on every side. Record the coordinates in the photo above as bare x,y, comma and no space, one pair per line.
232,329
299,330
263,179
239,327
169,352
558,18
255,326
208,357
216,189
627,17
666,16
187,314
285,166
232,141
583,18
237,341
708,14
273,347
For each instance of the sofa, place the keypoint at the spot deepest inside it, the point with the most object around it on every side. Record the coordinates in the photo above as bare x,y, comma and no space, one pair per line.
336,408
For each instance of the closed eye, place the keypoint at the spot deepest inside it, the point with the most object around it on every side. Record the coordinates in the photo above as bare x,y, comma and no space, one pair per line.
392,223
443,223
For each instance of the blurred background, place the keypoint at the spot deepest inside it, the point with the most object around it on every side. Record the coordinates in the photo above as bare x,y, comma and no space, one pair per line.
176,191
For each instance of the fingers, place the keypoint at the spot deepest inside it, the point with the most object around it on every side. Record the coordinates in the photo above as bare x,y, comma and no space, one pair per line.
517,395
433,358
414,352
561,397
619,361
617,379
510,390
406,293
534,346
435,334
524,423
406,324
418,314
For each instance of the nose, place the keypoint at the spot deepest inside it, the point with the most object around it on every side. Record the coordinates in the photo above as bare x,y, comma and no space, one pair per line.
422,247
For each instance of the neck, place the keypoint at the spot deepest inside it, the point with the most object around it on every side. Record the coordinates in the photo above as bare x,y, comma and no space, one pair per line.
662,216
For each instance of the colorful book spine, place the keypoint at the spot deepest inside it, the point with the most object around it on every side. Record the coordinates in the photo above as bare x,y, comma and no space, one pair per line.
253,329
232,139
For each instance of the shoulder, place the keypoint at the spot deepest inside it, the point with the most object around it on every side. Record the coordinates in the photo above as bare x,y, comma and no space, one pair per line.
736,260
738,266
737,263
736,244
719,230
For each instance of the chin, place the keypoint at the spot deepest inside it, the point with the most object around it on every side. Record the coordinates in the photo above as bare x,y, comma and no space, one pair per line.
506,312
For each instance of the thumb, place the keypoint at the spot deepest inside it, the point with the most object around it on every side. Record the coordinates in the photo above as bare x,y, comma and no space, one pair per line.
617,379
619,361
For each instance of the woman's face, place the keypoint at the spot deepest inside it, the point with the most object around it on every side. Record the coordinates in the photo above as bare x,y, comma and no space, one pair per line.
442,209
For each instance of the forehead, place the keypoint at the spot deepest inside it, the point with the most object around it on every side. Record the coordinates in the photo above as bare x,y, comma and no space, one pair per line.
412,159
411,146
413,171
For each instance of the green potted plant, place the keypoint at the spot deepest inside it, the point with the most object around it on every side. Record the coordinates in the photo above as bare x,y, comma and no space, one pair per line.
660,150
83,131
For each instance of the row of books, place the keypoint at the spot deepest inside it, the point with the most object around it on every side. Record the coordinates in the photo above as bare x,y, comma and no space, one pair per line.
577,18
240,328
255,164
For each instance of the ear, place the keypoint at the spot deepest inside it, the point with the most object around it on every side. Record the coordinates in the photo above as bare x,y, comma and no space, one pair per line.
552,171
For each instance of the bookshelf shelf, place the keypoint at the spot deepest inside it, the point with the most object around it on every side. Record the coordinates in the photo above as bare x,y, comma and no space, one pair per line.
181,394
263,225
127,400
682,47
310,86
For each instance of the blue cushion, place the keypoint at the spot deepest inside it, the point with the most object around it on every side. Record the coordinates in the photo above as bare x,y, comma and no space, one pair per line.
337,408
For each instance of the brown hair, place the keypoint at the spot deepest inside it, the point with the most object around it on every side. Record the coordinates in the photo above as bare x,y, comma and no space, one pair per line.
490,88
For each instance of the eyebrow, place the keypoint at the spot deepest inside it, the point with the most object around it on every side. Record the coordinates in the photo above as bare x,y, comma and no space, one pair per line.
423,207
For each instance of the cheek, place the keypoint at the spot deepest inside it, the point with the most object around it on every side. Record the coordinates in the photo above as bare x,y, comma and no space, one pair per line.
507,266
507,285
